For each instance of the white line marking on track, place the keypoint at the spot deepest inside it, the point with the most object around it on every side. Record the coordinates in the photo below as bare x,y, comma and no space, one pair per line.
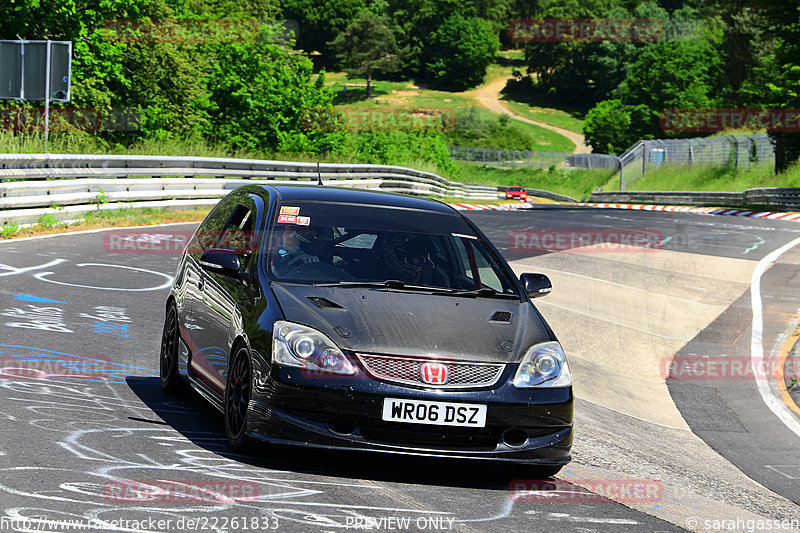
774,403
87,231
780,469
634,328
11,271
166,284
632,416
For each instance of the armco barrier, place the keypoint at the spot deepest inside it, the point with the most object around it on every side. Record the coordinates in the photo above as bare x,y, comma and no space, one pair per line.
68,186
786,199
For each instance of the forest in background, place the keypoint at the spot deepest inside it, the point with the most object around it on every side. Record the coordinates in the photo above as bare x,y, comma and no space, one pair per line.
253,90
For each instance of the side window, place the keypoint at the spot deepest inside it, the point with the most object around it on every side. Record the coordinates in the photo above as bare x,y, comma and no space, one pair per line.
238,232
488,275
472,261
210,230
242,232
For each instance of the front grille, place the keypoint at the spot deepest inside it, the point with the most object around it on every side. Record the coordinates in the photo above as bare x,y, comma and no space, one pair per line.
408,371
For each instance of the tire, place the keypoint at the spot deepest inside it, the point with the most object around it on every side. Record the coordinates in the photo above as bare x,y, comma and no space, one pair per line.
171,382
237,398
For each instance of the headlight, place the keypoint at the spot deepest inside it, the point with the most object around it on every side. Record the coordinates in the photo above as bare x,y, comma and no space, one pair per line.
544,365
304,347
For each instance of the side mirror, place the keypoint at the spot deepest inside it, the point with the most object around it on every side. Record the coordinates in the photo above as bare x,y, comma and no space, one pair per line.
536,285
222,261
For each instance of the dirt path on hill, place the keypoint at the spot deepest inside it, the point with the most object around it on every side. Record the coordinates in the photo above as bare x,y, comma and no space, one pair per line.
489,96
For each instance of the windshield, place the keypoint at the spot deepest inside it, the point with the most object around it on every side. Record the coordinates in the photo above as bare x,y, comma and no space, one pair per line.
318,242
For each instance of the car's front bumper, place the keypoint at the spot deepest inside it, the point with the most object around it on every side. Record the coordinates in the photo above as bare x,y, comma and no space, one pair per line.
336,412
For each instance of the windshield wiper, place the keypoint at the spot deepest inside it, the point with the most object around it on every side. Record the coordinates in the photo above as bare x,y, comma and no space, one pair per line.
388,284
486,292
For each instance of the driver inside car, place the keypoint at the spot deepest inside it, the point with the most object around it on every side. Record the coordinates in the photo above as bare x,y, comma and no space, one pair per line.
289,250
412,259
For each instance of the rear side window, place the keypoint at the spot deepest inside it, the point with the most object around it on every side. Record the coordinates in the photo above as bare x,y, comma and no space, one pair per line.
234,224
238,232
209,232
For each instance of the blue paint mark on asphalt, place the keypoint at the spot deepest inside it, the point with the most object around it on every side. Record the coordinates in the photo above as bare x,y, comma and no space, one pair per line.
111,328
38,299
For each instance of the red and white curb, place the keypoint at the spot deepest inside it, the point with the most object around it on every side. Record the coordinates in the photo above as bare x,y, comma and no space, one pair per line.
700,210
486,207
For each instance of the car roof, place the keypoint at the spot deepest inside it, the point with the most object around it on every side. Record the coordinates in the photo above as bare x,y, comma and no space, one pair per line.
357,196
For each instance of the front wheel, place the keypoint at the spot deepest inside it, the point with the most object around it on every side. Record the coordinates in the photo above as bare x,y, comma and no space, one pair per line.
168,368
237,400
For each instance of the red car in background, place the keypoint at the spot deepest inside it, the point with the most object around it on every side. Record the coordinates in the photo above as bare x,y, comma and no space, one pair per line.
516,193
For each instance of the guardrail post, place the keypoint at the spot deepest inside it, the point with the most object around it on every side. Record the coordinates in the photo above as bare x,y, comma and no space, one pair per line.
644,155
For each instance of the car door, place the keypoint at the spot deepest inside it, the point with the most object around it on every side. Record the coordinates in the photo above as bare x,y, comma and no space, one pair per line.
218,310
206,237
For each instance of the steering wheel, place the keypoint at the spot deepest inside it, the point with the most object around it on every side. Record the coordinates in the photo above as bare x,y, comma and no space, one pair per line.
283,258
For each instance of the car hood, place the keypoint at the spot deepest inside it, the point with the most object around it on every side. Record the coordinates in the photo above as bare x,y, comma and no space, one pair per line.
381,321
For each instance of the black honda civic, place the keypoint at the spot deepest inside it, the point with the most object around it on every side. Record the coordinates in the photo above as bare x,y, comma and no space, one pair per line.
345,319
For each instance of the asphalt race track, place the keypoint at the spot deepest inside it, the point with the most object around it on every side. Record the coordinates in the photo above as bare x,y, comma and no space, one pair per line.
87,434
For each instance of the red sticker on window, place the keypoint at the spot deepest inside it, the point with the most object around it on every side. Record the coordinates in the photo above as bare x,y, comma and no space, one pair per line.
289,210
287,219
303,221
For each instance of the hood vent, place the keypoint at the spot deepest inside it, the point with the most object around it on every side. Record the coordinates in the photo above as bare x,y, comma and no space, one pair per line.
324,303
501,316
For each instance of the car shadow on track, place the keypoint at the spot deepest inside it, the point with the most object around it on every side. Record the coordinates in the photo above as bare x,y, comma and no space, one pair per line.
197,421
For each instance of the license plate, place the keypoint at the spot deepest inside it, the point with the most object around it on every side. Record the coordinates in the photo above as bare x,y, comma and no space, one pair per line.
435,413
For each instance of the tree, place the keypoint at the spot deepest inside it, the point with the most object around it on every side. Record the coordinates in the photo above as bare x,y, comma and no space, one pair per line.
782,20
414,21
460,51
675,74
366,45
606,127
582,73
258,96
321,21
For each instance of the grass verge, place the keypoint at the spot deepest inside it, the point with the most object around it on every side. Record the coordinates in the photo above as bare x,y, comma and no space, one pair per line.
709,178
554,117
105,219
577,183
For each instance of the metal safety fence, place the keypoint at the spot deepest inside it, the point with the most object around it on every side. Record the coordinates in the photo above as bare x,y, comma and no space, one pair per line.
528,159
31,184
736,151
